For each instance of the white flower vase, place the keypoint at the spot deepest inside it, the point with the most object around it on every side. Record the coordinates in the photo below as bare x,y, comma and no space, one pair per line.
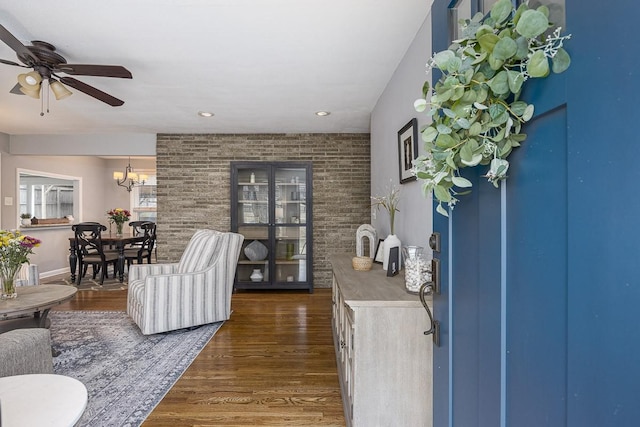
256,276
391,241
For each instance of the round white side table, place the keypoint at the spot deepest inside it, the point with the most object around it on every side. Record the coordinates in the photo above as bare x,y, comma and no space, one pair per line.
41,399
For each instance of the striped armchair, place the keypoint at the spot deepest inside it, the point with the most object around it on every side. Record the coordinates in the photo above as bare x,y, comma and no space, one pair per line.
195,291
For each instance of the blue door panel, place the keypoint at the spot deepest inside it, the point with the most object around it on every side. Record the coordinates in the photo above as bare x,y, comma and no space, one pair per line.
604,259
536,282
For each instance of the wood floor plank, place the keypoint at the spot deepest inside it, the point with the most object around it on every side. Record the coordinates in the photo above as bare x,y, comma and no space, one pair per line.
271,364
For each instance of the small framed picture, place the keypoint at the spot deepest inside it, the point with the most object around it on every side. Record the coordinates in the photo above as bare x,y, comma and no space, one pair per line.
393,265
407,150
379,258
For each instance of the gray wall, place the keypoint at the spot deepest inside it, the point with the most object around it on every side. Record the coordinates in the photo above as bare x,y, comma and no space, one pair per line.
394,109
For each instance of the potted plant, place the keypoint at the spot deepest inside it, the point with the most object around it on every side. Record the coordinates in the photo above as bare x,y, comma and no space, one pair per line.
25,219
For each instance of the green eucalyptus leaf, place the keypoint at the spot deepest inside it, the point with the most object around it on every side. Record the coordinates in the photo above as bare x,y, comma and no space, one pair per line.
442,193
426,87
528,113
561,61
444,96
448,112
442,211
523,48
538,64
481,94
475,129
516,79
443,129
500,120
463,123
532,23
505,48
442,59
469,97
479,58
501,10
480,106
461,182
475,160
420,105
458,92
499,83
495,63
488,41
429,134
486,70
445,141
482,30
518,108
454,64
450,162
545,10
504,150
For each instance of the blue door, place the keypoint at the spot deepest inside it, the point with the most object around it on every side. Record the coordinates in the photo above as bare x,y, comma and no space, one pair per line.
541,278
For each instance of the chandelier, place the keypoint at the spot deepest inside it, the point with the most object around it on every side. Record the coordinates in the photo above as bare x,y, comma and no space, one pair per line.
129,178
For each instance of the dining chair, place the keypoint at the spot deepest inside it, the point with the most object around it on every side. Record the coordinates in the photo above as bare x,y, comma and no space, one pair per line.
145,248
90,250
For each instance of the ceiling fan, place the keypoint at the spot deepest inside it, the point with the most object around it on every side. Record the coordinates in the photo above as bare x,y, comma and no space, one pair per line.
46,63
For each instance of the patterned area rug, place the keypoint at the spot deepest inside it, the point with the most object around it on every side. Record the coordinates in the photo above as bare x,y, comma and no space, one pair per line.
126,373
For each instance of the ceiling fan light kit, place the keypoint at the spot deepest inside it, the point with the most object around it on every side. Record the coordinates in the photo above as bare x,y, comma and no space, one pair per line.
58,89
30,80
41,56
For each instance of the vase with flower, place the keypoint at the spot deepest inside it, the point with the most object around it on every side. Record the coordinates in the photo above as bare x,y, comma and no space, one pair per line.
390,203
15,249
118,216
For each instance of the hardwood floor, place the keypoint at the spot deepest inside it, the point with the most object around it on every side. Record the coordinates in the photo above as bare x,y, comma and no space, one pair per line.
271,364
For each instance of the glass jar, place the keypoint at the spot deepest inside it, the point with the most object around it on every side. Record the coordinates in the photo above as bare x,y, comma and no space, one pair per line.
416,268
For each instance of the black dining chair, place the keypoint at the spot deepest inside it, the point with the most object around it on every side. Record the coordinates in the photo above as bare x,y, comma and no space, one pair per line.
90,251
144,248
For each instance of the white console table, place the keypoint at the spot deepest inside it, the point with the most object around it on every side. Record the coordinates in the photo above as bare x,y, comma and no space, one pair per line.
384,359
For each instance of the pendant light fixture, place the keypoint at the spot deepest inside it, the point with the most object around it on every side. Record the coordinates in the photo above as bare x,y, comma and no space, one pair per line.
129,178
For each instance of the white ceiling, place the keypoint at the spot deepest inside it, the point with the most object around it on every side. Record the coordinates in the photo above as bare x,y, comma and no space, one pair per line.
259,65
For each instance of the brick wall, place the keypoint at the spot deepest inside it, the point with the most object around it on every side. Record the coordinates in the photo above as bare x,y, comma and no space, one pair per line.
193,186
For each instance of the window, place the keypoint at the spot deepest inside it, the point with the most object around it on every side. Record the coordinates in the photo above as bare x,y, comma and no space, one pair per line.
144,199
44,195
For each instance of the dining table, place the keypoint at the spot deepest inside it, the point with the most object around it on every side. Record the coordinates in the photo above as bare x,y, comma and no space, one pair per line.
120,242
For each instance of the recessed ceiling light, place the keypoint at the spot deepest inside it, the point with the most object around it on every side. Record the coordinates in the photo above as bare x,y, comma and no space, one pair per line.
323,113
205,114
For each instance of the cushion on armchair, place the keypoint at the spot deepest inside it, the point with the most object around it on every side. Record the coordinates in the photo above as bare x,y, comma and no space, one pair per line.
25,351
197,255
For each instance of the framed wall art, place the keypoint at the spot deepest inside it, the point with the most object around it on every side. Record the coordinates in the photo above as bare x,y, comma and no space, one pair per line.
407,150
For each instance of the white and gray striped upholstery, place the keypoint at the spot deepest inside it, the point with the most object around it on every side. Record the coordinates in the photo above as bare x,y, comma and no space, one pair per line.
195,291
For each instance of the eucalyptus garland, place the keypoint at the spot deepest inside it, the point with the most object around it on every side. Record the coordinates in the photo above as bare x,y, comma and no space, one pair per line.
476,110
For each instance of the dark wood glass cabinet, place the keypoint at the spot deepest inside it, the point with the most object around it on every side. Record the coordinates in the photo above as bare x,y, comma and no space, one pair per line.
271,205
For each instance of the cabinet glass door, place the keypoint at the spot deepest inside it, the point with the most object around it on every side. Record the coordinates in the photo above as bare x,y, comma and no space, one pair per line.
290,235
253,223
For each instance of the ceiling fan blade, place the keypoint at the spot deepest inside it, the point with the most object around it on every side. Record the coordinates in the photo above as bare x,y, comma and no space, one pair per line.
16,44
16,90
94,70
92,91
4,61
